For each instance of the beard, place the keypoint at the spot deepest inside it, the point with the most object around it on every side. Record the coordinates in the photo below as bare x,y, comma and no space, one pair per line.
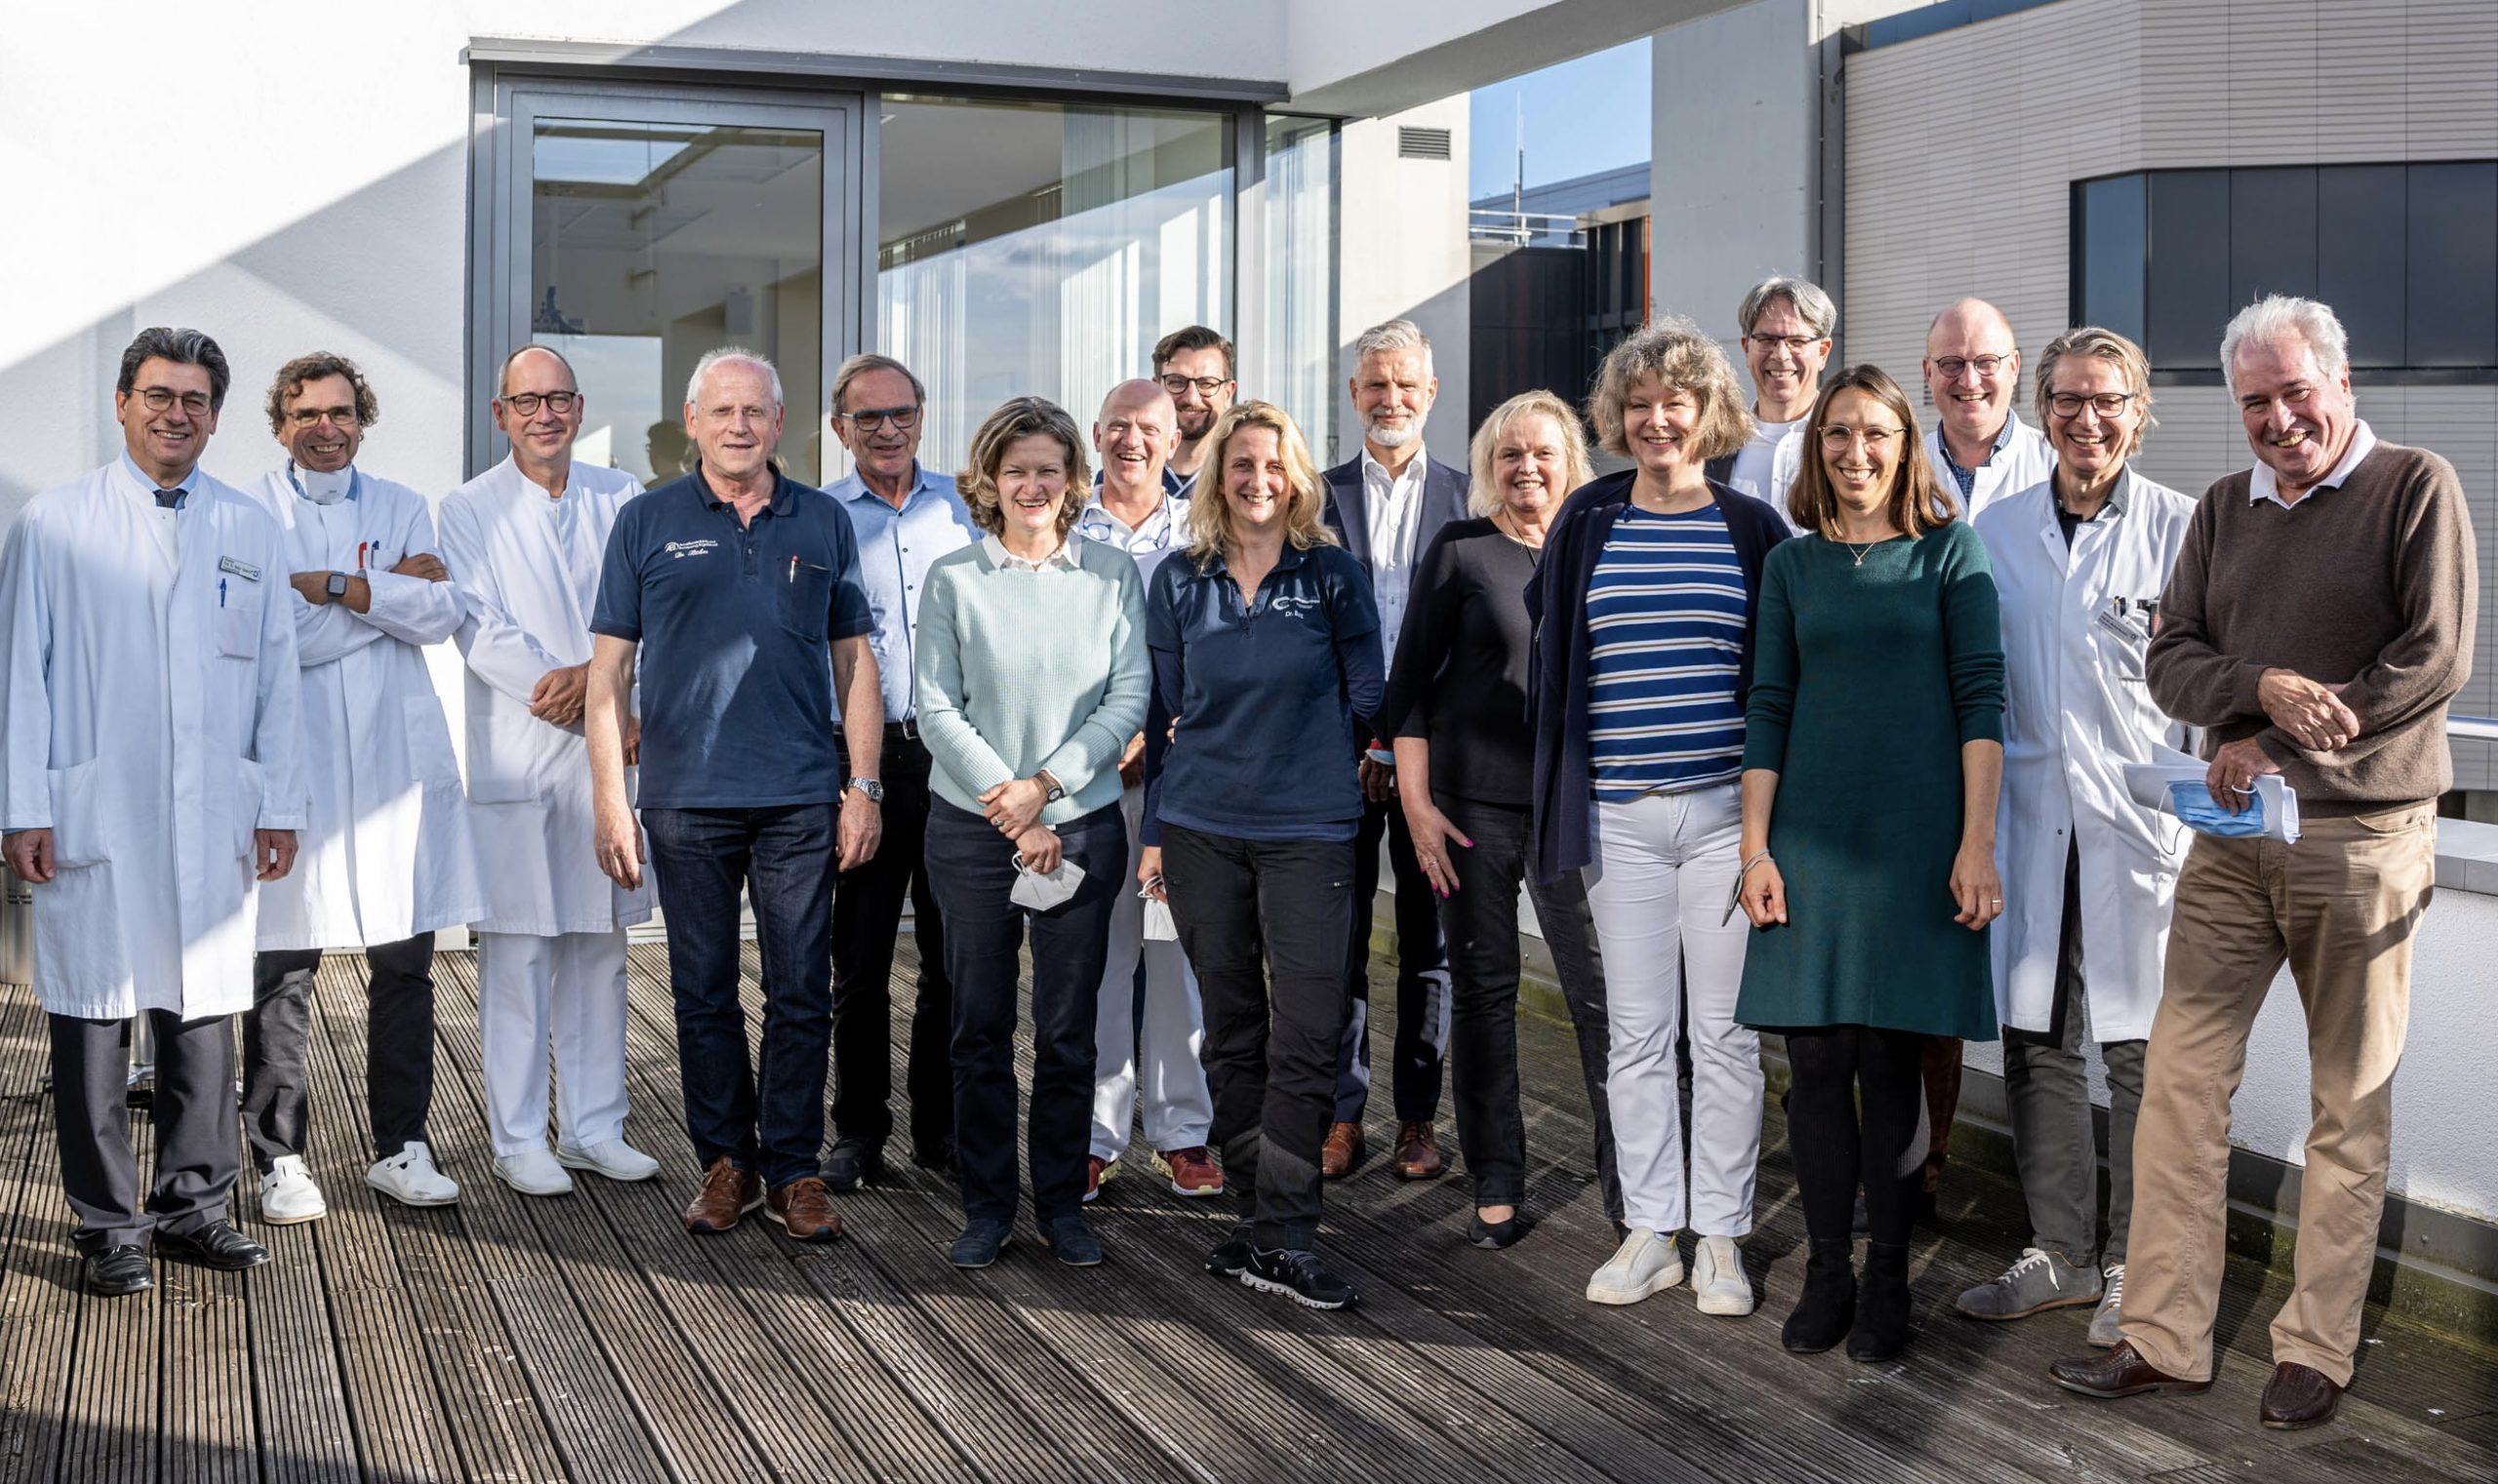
1393,437
1196,423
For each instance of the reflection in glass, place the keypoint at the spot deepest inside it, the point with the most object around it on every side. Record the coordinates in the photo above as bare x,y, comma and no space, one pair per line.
2454,302
2186,303
2110,236
1298,373
653,243
2360,273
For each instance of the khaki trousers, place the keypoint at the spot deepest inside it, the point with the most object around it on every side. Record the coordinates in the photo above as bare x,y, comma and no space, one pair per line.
2340,907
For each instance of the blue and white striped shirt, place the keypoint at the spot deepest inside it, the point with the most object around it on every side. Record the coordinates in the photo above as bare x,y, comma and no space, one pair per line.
1665,647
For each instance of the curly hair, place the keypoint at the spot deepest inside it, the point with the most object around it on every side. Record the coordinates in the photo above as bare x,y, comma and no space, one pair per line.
1919,503
1683,357
1210,509
320,365
1484,498
1015,419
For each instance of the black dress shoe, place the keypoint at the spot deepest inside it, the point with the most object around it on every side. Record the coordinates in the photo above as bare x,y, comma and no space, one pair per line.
1495,1235
117,1270
852,1163
2120,1372
216,1245
2298,1397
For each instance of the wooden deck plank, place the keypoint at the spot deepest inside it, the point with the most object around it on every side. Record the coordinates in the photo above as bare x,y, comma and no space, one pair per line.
115,1423
39,1296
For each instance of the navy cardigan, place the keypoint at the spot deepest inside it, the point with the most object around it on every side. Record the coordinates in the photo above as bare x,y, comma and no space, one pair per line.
1557,666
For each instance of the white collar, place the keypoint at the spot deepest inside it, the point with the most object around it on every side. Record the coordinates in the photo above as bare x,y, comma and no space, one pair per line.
999,556
1416,469
2264,485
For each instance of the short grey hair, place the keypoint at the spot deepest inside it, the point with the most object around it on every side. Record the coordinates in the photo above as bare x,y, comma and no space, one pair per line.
182,347
2277,314
859,366
737,354
1396,334
1812,305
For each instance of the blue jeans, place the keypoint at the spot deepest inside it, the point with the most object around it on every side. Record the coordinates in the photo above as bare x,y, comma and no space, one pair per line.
770,1118
973,871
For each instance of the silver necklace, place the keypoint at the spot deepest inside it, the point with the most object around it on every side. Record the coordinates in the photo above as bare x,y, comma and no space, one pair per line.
1859,551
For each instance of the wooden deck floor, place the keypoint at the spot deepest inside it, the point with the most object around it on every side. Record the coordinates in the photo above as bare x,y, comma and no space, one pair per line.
587,1338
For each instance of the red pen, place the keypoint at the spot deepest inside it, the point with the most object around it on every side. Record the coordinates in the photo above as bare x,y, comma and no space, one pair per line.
360,549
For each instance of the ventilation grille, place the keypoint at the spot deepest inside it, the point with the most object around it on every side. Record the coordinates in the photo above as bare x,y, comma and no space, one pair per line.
1422,143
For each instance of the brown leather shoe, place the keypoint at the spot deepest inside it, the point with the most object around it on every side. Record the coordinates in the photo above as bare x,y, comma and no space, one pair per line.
2299,1397
728,1193
1342,1151
1193,1171
2120,1372
804,1209
1418,1157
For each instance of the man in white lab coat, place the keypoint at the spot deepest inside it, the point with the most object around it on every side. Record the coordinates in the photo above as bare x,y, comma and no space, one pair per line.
2079,562
523,541
1980,448
388,858
151,780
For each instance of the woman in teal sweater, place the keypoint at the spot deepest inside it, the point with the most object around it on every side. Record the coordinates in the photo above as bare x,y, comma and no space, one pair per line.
1031,676
1872,755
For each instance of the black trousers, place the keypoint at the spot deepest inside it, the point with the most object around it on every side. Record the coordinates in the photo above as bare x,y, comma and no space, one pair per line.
398,1047
199,1155
1263,923
1482,924
975,874
1421,976
1835,1147
866,916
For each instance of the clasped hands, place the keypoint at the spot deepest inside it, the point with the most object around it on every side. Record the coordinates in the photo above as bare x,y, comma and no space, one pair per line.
2310,713
1014,809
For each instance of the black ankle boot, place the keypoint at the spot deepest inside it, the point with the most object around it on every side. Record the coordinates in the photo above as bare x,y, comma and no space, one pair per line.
1882,1306
1829,1302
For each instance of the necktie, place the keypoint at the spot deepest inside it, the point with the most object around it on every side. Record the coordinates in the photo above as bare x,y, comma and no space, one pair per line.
169,499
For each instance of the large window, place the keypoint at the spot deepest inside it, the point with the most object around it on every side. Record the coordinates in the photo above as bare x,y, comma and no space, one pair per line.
2406,255
1299,371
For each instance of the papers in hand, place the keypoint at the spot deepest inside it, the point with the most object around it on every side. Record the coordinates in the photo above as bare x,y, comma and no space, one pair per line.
2148,783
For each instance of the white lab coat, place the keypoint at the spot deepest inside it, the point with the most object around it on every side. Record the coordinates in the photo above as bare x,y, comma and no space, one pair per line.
2076,711
2024,459
152,724
526,568
389,853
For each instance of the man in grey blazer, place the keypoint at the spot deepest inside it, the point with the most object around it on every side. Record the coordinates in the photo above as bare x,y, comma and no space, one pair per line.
1385,504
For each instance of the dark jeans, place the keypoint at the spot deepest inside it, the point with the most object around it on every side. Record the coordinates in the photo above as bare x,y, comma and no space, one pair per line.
770,1118
1483,925
1835,1148
398,1047
972,869
867,915
1421,976
1263,923
197,1155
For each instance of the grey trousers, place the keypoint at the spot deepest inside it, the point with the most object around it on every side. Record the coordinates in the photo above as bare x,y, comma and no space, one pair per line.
199,1150
2047,1084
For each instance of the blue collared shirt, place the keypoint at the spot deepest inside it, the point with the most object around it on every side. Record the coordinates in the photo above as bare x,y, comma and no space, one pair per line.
1967,479
189,482
896,549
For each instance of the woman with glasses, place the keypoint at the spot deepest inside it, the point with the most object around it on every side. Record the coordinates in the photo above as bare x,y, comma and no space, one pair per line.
1643,652
1025,731
1873,746
1457,708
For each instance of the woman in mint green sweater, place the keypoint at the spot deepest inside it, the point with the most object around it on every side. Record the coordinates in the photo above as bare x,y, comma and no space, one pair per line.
1031,676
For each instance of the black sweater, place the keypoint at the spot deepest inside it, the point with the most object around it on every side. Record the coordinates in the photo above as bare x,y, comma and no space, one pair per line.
1460,681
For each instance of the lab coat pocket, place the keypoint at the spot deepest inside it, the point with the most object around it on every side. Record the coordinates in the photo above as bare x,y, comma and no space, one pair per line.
78,832
806,600
238,628
429,757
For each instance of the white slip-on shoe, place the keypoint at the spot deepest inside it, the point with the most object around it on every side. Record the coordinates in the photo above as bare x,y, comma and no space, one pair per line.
533,1172
288,1194
410,1178
1643,1264
612,1157
1717,1278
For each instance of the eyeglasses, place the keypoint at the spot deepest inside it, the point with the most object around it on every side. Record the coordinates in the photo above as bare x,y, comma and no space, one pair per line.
526,403
2108,403
159,398
1983,365
1838,436
309,417
1796,345
868,419
1206,386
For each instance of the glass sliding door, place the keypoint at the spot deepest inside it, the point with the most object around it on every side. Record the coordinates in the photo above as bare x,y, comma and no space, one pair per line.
1300,373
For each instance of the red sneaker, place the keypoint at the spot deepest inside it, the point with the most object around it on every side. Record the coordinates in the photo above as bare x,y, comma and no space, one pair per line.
1193,1171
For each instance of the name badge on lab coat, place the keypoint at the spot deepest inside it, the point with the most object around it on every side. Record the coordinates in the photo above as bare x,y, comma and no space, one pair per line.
244,570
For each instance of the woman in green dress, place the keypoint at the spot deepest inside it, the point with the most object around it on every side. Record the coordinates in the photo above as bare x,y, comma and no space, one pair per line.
1873,754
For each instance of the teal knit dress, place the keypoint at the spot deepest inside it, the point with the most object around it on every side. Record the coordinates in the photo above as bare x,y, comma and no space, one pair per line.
1866,681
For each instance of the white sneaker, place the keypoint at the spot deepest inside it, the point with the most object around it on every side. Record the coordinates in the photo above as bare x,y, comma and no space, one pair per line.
288,1194
1644,1263
410,1178
612,1157
533,1172
1718,1276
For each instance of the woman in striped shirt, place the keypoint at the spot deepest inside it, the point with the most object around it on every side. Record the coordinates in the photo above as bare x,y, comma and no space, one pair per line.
1643,608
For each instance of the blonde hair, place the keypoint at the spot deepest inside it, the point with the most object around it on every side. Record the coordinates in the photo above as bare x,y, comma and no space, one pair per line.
1022,417
1683,357
1917,501
2116,350
1484,500
1210,510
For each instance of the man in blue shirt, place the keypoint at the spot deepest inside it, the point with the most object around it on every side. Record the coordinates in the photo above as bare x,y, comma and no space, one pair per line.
905,517
739,589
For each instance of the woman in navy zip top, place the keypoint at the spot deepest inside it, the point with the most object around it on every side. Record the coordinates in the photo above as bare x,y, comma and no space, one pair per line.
1266,648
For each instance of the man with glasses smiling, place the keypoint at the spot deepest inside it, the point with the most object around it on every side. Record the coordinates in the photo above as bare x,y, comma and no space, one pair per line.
1195,366
1787,324
1980,448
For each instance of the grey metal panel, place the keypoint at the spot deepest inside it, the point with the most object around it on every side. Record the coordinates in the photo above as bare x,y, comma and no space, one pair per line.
890,72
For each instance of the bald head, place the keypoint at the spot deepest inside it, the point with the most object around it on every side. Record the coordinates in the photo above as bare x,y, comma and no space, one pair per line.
533,381
1136,434
529,360
1972,370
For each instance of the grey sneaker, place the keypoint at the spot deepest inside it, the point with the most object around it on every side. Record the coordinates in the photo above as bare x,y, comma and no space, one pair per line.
2104,1324
2040,1280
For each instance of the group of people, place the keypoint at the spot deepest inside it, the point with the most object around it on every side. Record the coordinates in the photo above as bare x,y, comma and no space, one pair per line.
1809,720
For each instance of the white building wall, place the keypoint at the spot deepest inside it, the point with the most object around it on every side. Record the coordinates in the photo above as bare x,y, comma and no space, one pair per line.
1402,253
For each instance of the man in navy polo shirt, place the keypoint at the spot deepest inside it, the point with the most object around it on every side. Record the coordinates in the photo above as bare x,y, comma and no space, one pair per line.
740,590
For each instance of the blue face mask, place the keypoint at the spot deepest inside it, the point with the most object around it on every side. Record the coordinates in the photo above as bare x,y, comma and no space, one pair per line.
2195,807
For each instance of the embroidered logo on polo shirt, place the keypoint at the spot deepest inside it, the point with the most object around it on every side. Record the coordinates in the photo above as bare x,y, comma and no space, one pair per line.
1294,603
682,550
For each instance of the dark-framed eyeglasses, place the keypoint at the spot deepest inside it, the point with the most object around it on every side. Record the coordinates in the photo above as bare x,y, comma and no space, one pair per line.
1796,345
868,419
2108,403
526,403
159,398
310,417
1206,386
1983,365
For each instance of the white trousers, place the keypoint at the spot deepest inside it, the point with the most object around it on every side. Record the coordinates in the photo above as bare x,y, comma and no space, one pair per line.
1664,873
567,990
1178,1112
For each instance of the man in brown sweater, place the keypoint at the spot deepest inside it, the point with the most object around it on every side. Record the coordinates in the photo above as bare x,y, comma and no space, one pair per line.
2319,619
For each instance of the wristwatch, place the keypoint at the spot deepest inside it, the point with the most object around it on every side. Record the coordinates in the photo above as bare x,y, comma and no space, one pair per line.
1051,791
874,791
336,586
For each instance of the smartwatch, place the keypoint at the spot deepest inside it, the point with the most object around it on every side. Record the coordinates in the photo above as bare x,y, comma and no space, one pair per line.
336,586
873,790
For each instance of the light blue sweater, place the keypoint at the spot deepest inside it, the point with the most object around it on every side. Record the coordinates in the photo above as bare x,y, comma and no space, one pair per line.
1022,670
